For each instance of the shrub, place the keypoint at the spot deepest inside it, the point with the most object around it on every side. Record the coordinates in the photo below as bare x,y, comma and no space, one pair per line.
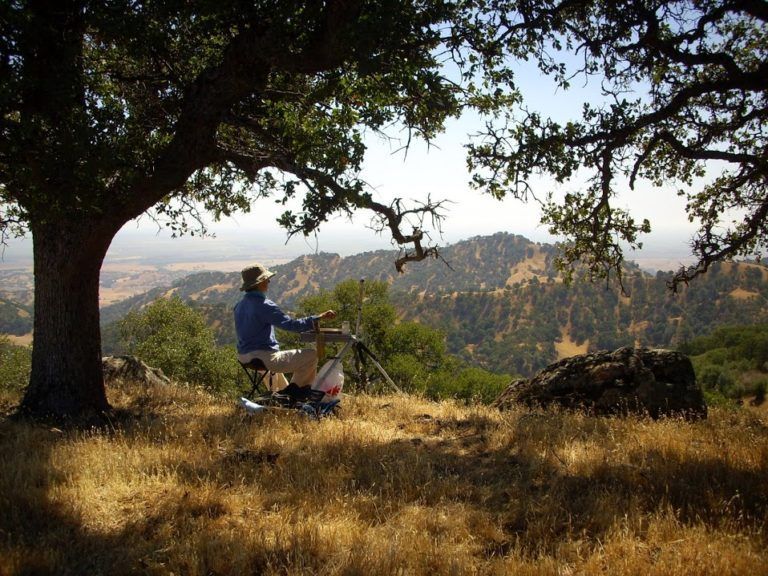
172,336
760,390
15,365
407,372
470,384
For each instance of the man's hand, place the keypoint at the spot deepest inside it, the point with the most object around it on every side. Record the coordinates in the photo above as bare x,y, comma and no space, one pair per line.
328,314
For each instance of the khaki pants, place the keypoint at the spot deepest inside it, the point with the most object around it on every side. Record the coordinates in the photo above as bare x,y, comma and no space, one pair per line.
302,364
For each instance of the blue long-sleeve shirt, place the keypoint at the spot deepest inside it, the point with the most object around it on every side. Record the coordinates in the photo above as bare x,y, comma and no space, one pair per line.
255,319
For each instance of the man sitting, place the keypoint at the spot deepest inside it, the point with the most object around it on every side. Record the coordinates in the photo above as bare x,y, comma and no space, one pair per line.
256,317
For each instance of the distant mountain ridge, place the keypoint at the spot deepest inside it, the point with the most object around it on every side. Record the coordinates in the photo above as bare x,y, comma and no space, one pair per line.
501,303
480,263
498,299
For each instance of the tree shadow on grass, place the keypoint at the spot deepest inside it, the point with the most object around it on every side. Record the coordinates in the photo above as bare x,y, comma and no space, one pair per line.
524,485
540,500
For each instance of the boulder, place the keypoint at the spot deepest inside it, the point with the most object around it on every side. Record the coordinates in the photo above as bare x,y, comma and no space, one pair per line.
628,380
130,368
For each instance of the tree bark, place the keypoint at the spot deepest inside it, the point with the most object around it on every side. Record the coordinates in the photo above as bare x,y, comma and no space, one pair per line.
67,379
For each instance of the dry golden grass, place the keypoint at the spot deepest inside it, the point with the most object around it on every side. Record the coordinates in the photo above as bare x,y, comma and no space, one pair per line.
566,347
186,484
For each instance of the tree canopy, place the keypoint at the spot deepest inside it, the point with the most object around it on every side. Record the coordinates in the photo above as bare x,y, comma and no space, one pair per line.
110,110
178,107
685,87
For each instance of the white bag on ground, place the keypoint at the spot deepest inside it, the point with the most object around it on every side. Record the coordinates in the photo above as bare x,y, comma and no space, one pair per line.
330,379
251,407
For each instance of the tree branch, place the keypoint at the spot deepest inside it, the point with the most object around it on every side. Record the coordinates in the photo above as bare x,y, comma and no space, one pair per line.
393,216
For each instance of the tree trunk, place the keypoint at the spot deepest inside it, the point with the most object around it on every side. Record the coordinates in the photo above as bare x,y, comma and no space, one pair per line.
67,379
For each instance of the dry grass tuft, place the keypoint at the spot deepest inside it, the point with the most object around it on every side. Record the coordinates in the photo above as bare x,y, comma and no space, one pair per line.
187,484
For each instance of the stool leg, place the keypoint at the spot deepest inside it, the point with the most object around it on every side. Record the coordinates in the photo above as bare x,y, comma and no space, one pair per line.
255,378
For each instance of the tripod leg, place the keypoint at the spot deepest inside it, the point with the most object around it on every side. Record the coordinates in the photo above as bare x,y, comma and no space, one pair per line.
361,370
365,349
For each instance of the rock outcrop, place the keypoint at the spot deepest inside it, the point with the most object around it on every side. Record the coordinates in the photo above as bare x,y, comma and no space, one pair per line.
628,380
131,369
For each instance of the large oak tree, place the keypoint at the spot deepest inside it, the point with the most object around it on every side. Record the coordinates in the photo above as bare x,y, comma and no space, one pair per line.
112,109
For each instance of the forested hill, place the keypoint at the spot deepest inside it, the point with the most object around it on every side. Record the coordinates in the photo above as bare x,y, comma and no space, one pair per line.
480,263
526,326
501,304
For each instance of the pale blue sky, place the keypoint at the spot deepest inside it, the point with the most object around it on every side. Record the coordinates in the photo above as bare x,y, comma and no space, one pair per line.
439,170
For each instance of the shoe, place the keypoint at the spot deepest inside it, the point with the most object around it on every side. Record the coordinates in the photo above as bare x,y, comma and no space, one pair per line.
296,393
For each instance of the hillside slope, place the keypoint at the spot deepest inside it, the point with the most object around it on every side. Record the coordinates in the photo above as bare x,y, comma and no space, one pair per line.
529,325
498,300
480,263
501,304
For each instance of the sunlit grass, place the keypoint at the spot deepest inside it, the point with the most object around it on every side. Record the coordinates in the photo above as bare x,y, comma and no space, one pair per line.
183,483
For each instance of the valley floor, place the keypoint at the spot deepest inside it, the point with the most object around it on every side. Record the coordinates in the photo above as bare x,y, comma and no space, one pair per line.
187,484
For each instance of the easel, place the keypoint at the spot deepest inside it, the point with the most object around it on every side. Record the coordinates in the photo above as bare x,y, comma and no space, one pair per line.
351,342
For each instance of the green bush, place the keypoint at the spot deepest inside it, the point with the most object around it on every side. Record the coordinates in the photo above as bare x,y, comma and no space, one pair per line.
470,384
377,315
425,344
718,356
729,362
172,336
759,391
709,376
407,372
15,365
715,398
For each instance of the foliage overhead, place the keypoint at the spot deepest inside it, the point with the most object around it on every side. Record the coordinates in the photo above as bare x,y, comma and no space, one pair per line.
685,100
111,110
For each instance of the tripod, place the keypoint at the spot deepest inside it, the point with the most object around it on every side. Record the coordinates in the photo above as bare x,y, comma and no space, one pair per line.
351,343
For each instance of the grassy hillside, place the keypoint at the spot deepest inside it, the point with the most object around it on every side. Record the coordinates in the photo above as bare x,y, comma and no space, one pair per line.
15,318
501,304
182,483
481,263
528,325
732,363
499,301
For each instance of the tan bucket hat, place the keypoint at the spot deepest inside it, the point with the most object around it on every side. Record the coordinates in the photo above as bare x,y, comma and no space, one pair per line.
254,274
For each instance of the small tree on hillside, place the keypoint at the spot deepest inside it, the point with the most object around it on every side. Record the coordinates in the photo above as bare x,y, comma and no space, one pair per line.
171,336
377,315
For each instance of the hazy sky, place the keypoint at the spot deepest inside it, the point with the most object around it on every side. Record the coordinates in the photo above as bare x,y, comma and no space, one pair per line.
440,171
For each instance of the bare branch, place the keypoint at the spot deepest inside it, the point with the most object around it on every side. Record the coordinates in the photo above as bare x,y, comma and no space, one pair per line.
393,217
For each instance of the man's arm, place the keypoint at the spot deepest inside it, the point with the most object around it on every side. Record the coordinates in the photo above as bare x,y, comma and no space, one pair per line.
280,319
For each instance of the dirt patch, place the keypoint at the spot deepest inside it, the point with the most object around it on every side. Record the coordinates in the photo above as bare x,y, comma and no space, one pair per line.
534,267
210,289
23,340
742,294
567,347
